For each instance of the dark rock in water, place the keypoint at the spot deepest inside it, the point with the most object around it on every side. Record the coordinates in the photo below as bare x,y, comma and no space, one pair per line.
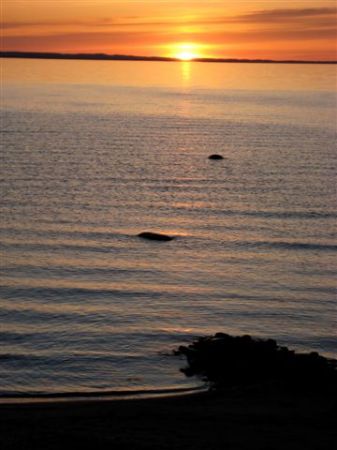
155,236
215,157
225,360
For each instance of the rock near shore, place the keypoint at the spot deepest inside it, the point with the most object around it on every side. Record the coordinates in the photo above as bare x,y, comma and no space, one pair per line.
215,157
155,236
224,360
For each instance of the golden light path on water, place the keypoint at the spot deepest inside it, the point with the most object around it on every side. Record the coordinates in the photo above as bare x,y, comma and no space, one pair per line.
161,74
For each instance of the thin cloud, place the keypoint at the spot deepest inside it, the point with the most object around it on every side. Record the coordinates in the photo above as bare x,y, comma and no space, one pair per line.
18,25
79,39
286,14
147,38
323,16
278,16
272,35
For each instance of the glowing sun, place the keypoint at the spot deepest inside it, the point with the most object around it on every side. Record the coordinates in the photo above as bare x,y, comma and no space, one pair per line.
185,52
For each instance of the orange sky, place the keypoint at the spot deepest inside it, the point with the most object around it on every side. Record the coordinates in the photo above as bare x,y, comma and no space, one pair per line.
275,29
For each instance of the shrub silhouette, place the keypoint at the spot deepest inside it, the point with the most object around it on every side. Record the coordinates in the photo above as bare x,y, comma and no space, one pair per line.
224,360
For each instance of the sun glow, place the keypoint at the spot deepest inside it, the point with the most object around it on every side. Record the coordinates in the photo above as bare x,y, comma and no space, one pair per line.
186,52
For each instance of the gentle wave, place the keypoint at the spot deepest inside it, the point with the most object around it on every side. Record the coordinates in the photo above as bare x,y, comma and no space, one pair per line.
290,245
37,397
105,247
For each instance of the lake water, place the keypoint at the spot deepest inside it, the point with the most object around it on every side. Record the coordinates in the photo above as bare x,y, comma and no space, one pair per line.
95,152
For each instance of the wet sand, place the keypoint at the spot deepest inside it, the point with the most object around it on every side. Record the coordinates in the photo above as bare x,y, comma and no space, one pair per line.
261,417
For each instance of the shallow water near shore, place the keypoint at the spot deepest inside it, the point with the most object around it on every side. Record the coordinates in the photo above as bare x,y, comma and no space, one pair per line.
94,153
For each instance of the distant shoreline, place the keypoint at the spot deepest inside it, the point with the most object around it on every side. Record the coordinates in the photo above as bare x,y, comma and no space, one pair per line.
106,57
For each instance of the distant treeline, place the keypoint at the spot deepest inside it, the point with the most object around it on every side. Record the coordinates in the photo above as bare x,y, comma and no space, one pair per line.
105,57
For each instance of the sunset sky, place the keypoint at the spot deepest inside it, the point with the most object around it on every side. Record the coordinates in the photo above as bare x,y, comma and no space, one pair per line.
303,30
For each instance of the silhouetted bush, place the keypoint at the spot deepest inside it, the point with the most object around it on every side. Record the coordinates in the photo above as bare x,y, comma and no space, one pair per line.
225,360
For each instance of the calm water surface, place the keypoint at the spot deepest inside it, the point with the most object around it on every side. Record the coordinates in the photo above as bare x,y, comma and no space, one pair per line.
95,152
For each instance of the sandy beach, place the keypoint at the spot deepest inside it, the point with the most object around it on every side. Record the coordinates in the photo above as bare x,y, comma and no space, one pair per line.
259,417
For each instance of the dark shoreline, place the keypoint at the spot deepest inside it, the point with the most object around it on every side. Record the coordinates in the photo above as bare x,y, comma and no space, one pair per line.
106,57
268,398
258,417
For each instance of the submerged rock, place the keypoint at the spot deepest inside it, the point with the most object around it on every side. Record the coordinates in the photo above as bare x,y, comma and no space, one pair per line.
155,236
215,157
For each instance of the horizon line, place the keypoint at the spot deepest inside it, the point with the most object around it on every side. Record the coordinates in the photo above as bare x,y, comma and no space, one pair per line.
121,57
